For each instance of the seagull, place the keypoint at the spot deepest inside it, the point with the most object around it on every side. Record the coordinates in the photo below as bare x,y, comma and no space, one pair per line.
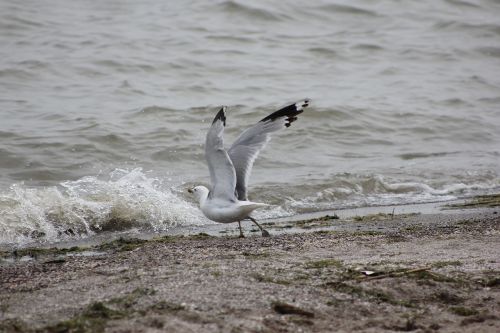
227,201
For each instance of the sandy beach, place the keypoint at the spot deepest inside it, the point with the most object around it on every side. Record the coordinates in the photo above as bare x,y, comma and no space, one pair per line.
436,272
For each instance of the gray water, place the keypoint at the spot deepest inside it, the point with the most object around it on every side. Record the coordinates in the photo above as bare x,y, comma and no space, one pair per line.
105,104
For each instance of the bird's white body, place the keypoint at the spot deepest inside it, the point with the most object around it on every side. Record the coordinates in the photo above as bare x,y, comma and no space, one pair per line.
224,211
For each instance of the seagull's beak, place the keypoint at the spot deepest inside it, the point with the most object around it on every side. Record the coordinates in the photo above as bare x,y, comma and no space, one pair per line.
190,190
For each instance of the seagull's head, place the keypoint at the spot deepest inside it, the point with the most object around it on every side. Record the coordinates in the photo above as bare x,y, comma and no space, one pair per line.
200,192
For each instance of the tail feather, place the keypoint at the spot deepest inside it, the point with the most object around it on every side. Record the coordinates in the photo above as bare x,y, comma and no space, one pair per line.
250,205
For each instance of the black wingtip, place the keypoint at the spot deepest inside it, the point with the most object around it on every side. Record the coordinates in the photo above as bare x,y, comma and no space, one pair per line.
221,115
290,112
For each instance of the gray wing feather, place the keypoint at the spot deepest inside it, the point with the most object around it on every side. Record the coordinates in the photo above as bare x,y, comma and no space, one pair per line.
222,173
247,146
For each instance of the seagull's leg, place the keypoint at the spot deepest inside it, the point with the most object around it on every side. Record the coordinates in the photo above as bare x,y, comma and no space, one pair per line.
264,231
241,231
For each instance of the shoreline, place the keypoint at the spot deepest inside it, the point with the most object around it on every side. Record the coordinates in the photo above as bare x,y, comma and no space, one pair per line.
377,272
220,229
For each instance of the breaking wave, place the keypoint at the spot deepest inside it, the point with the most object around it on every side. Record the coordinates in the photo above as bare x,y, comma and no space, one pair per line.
354,190
124,200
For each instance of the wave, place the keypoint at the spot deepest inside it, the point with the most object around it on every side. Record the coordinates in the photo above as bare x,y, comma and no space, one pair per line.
78,209
411,156
467,27
132,201
463,4
246,11
489,51
346,9
355,190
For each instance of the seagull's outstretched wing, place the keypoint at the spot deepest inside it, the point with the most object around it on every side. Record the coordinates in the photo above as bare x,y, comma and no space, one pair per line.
222,174
247,146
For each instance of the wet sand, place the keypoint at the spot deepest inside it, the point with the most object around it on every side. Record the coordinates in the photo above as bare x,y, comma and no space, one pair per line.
435,272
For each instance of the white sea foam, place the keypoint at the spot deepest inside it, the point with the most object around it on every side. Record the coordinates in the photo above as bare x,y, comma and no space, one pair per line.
125,200
347,192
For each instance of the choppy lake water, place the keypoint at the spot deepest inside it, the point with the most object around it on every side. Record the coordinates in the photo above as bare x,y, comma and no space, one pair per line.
104,106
